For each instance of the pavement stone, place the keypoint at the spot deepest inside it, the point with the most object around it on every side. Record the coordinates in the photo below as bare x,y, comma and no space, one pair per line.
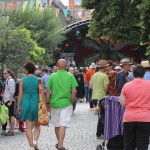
80,136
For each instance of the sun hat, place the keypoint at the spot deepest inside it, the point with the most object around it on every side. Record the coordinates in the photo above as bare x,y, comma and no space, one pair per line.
125,61
117,68
92,65
145,64
102,63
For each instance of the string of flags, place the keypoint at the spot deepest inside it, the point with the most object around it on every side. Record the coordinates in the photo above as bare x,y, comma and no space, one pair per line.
40,5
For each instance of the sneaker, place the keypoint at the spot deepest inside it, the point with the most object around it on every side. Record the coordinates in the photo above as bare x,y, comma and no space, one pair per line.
9,133
100,137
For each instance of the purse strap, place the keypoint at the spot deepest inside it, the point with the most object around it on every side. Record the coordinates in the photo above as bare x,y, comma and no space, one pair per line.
40,90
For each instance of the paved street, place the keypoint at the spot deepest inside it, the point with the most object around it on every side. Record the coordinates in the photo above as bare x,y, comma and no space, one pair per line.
80,135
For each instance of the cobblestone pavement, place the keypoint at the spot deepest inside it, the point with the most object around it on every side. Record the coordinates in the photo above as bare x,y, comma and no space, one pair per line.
80,135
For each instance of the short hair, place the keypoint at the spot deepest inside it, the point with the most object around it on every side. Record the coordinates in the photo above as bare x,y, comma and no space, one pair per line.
138,71
45,70
80,70
30,67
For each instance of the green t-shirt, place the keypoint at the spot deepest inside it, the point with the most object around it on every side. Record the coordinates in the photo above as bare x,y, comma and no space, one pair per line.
98,81
61,83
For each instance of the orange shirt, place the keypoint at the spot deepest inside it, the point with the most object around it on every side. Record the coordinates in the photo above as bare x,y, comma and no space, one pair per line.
89,75
137,101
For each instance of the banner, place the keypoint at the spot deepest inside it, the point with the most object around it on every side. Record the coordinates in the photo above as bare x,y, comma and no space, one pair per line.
18,5
50,2
57,12
13,5
37,3
65,11
6,6
24,5
31,3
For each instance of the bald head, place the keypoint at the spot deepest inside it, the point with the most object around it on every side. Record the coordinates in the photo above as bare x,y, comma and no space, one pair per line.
61,64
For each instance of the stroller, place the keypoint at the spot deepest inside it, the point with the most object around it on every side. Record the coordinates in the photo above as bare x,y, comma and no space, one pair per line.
113,129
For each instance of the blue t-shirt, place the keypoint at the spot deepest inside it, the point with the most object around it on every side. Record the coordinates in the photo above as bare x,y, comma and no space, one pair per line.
147,76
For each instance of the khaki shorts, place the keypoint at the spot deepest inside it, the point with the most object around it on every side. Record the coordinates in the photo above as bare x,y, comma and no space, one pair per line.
61,117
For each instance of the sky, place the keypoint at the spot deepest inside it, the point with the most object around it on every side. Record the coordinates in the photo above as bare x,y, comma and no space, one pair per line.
65,2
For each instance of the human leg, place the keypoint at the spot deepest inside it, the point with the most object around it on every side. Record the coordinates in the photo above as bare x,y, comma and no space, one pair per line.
142,135
29,134
130,135
64,121
36,133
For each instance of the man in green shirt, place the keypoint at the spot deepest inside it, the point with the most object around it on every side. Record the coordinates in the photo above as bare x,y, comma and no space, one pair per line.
63,87
99,82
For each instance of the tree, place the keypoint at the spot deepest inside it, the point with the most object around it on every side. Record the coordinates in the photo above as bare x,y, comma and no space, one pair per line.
17,47
115,19
43,27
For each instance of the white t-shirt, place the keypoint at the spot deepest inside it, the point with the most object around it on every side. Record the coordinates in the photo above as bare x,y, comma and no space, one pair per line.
9,88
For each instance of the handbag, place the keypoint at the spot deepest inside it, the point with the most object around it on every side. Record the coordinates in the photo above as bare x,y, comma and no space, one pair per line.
43,118
3,113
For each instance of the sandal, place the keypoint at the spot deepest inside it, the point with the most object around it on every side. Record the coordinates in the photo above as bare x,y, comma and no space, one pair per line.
9,133
62,148
56,145
35,145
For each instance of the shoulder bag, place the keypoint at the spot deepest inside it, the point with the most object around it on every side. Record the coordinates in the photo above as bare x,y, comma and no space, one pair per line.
43,118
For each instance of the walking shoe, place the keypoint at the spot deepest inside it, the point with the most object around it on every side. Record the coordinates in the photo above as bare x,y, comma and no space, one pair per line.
100,137
9,133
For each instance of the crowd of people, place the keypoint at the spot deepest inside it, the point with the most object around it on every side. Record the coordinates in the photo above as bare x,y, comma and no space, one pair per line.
63,87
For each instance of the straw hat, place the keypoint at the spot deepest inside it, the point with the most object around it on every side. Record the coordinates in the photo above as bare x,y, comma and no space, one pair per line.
125,61
145,64
102,63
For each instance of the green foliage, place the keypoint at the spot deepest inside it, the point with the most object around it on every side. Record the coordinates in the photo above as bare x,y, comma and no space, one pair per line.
18,47
43,27
116,19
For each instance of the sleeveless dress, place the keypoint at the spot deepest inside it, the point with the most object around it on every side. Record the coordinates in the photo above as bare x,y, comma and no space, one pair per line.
30,99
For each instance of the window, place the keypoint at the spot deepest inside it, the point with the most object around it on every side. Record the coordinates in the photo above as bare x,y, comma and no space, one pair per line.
77,2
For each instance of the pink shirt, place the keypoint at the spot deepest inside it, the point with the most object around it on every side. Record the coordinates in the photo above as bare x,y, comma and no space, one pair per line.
137,93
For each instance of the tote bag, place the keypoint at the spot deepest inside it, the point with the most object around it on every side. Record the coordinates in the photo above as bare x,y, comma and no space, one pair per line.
3,113
43,118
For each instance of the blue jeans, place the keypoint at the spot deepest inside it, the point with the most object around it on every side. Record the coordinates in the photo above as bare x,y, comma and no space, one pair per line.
86,93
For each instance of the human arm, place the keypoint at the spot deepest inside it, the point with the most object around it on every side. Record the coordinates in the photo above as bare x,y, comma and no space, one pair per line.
11,87
122,100
91,84
106,83
47,95
20,95
73,95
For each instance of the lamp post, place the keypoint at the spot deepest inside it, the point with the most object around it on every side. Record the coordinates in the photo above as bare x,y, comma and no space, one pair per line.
5,18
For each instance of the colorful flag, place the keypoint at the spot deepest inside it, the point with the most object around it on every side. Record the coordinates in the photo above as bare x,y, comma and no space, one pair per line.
18,5
24,5
65,11
31,3
37,4
50,2
13,5
6,6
